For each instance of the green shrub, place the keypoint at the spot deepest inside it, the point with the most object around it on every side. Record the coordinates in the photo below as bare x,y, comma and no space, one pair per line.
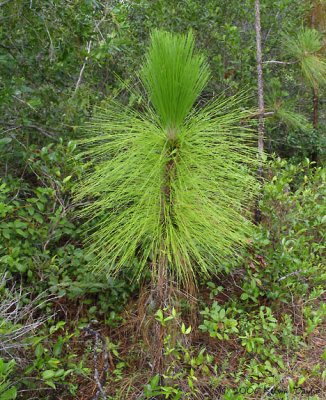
289,245
35,218
7,390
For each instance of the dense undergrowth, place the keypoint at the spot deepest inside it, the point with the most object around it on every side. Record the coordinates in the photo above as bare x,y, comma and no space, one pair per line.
256,328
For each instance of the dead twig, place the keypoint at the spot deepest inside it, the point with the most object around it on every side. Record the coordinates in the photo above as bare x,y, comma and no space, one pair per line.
45,132
100,382
88,49
280,62
290,274
17,321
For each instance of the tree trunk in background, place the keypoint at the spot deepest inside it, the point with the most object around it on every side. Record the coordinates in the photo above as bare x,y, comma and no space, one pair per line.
315,108
315,101
261,105
317,20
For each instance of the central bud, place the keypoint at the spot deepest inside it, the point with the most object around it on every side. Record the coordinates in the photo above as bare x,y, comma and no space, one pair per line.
172,134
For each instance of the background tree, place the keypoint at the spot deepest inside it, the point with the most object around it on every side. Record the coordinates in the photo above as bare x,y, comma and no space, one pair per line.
307,49
260,97
260,83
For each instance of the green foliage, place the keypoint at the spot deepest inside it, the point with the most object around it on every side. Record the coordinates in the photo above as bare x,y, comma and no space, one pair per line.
68,275
153,388
59,59
173,76
35,218
43,53
293,119
40,239
307,49
285,266
168,186
299,139
290,244
217,322
53,361
255,330
187,365
7,390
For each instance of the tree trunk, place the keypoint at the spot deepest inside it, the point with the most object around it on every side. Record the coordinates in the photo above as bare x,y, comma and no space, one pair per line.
315,101
316,10
315,107
160,295
261,104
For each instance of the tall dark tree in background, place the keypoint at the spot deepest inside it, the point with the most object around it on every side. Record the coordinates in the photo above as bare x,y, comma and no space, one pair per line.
260,84
307,48
317,22
260,98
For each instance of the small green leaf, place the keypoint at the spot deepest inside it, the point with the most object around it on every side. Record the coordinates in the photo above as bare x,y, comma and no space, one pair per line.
301,380
48,374
67,179
9,394
188,330
51,384
5,141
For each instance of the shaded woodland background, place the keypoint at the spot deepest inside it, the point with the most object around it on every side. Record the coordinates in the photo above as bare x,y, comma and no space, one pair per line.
66,333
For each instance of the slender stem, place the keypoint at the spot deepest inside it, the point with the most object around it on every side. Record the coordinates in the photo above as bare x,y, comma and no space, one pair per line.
161,284
160,300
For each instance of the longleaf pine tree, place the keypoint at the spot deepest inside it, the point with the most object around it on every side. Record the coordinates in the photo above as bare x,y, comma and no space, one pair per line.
169,186
308,49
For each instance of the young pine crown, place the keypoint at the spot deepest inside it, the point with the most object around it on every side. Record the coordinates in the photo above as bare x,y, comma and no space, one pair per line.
173,182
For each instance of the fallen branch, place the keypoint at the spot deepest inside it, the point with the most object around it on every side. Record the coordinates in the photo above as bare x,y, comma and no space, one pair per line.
42,130
269,391
45,132
291,274
18,320
100,382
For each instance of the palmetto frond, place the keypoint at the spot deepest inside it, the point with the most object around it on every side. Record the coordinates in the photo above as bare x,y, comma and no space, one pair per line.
170,181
